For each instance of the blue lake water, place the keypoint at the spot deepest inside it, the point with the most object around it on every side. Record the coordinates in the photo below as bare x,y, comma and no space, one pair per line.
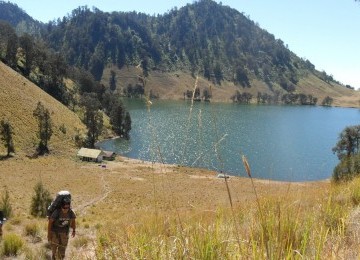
288,143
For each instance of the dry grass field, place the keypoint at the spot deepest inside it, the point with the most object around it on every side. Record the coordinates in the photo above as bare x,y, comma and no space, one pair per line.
131,204
126,190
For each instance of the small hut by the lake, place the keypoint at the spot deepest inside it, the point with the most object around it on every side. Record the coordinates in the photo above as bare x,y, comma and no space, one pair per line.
109,155
90,155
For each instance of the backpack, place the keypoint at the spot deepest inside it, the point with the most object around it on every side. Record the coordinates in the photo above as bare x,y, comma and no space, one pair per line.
61,197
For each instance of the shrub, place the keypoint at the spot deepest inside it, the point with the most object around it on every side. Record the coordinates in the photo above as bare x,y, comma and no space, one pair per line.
12,244
5,205
355,197
32,229
62,128
79,140
40,201
347,169
354,191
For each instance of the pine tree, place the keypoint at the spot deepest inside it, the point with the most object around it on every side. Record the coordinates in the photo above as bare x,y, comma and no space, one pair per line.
93,118
6,132
45,128
127,125
117,118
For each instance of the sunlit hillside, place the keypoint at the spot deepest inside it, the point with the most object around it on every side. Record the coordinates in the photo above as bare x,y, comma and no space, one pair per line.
342,96
173,85
19,98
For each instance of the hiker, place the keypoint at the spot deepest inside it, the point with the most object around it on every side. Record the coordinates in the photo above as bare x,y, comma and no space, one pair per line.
59,225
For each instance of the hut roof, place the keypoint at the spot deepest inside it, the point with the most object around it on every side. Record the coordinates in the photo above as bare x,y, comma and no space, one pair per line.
109,153
89,153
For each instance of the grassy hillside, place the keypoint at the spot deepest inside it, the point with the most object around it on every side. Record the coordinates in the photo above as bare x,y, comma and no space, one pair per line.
173,85
342,96
19,98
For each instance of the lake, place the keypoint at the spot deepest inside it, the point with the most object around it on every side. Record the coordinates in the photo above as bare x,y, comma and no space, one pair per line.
286,143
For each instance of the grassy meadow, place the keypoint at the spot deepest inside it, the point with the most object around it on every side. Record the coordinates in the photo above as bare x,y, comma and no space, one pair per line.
139,210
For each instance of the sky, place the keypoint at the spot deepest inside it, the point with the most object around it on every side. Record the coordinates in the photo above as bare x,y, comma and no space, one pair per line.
326,32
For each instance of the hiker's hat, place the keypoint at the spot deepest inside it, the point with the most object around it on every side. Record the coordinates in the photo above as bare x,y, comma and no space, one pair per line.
66,201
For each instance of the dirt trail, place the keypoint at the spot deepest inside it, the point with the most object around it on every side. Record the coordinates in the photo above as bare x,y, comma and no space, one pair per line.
81,209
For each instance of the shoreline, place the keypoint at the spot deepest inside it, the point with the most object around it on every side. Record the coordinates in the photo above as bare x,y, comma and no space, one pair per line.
254,103
215,173
207,172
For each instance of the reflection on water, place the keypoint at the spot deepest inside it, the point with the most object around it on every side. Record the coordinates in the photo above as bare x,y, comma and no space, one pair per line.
281,142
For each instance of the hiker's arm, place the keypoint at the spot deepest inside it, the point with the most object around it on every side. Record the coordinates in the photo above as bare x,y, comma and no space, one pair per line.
50,223
73,226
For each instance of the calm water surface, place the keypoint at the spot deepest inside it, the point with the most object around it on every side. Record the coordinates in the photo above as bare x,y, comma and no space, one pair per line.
290,143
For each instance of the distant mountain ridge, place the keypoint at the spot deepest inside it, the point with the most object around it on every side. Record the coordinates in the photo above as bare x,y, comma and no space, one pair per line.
19,19
203,38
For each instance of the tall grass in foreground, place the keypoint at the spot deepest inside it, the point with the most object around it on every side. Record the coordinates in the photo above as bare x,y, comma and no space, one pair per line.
268,228
289,231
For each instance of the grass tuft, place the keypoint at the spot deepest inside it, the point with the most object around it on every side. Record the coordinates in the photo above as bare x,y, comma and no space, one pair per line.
12,245
81,242
32,229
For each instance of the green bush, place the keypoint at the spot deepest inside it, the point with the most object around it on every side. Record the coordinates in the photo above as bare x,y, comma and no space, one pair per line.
347,169
12,244
5,205
40,201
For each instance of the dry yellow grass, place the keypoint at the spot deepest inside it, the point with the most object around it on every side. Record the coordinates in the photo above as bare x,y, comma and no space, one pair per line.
342,96
128,195
127,191
18,100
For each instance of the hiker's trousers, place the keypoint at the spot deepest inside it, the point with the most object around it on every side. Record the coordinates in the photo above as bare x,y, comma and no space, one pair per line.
59,242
